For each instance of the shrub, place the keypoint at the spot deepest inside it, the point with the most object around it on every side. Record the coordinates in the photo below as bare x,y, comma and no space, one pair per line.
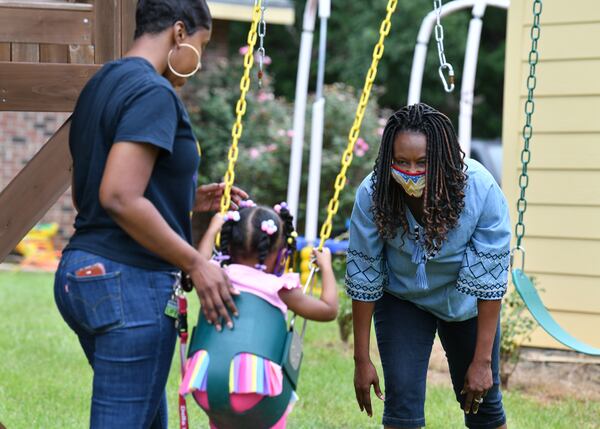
263,163
516,328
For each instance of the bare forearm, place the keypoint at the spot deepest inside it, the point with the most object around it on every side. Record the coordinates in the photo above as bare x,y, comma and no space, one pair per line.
329,295
143,222
487,323
207,243
362,313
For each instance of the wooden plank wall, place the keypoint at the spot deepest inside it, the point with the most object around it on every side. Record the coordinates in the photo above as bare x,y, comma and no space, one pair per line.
70,32
563,212
43,76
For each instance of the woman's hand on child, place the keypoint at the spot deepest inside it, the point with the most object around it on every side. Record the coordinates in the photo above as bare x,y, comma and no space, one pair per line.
214,290
323,258
208,197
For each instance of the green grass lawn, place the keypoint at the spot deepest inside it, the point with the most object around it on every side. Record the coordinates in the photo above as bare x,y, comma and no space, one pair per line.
45,381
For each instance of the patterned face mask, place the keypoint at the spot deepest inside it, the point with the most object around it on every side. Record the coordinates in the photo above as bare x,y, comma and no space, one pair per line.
413,183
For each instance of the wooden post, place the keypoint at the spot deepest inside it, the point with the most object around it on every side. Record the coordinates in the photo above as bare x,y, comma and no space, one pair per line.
107,31
34,190
127,24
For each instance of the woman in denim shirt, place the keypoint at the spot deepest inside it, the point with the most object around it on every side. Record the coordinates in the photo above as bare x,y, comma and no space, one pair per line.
429,252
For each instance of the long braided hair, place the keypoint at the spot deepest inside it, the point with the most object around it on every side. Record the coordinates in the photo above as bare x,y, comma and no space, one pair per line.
246,239
445,177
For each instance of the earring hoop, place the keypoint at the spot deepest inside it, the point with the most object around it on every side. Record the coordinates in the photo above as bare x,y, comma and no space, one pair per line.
175,72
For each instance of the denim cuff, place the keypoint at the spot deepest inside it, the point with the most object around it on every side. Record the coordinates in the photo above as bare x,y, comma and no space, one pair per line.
485,425
404,423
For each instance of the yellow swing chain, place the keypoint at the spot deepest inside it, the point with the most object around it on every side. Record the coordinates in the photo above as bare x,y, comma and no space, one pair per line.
240,110
340,181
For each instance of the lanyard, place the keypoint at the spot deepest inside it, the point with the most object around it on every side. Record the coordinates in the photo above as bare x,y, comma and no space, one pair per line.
182,331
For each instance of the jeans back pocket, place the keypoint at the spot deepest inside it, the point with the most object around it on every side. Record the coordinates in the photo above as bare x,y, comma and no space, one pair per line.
96,301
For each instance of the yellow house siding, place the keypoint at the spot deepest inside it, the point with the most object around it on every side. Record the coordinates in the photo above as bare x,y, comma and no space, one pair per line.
563,213
558,78
572,11
584,291
233,11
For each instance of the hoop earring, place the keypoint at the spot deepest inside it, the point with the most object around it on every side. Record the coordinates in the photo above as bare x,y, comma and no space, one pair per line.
175,72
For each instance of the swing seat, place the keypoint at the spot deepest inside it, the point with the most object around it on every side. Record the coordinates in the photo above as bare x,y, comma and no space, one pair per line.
261,330
536,307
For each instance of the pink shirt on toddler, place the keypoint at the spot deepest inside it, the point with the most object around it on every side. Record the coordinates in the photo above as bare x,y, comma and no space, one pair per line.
261,284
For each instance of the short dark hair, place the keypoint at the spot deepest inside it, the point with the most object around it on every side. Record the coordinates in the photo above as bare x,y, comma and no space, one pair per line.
245,238
155,16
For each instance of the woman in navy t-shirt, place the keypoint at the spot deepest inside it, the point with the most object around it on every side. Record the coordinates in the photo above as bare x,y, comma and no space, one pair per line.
135,160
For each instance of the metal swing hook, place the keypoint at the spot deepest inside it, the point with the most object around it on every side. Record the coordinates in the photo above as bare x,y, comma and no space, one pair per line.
512,256
448,87
439,38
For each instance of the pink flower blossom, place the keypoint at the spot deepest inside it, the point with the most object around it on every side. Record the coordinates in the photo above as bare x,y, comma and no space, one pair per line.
290,133
382,121
266,59
380,131
244,50
361,147
254,153
264,96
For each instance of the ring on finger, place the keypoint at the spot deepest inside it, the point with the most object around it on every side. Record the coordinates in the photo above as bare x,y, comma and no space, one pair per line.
478,400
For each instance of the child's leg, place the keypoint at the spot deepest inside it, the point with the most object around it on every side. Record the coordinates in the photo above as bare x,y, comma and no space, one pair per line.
241,402
282,422
202,399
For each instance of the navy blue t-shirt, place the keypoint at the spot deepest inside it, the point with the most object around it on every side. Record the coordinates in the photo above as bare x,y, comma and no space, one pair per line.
128,101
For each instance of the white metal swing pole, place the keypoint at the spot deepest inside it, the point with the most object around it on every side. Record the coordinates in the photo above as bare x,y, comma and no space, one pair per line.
308,28
470,65
467,91
316,138
467,87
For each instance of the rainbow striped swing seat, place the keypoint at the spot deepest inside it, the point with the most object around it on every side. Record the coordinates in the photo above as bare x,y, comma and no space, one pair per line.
260,330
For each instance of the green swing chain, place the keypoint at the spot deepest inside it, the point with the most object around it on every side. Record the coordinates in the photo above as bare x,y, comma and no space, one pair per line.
528,128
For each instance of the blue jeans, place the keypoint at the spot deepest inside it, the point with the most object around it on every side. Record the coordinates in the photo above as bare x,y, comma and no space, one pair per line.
129,342
405,335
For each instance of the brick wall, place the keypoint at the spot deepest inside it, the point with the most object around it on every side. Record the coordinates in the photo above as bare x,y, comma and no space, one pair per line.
21,136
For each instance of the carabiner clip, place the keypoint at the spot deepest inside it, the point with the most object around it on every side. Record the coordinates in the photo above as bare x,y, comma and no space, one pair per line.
512,256
448,88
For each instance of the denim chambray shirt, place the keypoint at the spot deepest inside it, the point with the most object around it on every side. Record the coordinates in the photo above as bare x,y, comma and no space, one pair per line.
471,264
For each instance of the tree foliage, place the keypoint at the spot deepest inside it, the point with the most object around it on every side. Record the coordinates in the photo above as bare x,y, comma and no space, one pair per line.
264,149
354,30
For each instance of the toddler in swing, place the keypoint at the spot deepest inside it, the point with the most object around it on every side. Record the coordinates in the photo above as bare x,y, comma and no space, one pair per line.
255,243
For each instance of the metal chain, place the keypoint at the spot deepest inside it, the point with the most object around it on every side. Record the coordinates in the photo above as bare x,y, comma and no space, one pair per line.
439,37
528,128
262,31
340,180
240,110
